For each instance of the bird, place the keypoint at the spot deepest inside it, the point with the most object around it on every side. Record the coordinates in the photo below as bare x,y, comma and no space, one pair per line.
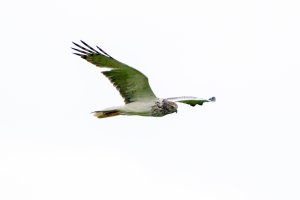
132,85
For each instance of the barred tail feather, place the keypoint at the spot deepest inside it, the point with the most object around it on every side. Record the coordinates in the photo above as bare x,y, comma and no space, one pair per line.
107,113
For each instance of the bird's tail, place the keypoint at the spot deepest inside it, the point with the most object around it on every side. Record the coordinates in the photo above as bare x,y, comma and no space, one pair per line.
106,113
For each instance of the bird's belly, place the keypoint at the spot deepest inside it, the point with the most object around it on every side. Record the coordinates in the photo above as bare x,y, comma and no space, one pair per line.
138,108
144,109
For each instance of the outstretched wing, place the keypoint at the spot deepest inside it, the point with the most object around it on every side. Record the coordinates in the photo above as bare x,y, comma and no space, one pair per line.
192,101
132,84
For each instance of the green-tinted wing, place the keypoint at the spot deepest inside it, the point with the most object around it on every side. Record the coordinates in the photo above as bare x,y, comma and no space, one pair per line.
192,101
132,84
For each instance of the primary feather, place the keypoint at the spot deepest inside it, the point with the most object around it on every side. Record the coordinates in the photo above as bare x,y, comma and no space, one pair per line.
132,84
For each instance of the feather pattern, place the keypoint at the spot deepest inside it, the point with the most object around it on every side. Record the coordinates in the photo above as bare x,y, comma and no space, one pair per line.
192,101
131,83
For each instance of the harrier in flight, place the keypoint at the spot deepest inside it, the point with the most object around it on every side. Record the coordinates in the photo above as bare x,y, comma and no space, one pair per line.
133,87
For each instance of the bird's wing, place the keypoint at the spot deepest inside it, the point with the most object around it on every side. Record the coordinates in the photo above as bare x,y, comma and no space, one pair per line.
192,101
132,84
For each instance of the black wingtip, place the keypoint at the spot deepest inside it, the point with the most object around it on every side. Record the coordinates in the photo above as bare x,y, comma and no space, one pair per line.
78,50
85,50
81,55
102,51
89,47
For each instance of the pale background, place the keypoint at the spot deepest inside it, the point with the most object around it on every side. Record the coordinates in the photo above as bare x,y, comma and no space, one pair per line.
243,147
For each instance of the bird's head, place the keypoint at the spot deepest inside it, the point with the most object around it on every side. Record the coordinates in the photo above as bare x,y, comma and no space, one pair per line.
169,106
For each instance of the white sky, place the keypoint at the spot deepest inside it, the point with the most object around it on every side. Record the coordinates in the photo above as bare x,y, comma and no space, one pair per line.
243,147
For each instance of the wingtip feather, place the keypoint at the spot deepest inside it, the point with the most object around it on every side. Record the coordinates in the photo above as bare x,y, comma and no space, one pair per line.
81,55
